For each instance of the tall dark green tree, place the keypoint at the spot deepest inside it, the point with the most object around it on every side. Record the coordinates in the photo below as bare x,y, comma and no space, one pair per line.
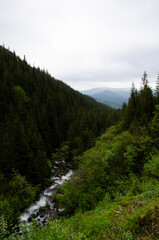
147,101
140,107
157,90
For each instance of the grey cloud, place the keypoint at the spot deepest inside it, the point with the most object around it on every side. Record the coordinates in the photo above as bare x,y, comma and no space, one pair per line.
85,43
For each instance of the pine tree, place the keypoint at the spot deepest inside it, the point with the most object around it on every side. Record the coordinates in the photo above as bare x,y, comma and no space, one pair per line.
147,102
157,90
144,82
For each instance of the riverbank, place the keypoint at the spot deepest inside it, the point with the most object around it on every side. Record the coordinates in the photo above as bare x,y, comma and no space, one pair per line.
45,208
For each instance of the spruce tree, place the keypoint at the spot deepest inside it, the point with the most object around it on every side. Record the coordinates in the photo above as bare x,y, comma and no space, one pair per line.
157,90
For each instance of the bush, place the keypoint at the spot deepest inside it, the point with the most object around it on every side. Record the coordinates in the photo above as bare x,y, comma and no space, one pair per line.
24,191
6,210
99,168
3,227
151,169
19,196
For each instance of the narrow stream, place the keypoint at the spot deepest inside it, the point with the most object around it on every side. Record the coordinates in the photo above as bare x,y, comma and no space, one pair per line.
45,200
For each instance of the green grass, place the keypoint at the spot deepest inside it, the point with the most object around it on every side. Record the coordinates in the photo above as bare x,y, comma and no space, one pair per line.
127,217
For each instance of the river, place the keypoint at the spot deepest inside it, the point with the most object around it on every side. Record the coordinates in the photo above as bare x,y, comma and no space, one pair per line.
36,210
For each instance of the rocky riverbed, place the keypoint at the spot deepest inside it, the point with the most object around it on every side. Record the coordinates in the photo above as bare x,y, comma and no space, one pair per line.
45,208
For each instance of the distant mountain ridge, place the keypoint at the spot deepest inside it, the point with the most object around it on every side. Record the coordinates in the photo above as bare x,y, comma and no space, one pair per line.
113,97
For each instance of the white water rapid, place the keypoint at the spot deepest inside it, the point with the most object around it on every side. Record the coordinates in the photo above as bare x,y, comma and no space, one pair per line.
44,200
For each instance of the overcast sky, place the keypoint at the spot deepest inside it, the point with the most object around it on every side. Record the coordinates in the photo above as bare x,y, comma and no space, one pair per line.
85,43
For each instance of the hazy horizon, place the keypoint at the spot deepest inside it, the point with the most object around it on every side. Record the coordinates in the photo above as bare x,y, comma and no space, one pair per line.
86,44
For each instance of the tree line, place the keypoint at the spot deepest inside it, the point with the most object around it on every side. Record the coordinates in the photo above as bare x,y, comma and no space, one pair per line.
141,105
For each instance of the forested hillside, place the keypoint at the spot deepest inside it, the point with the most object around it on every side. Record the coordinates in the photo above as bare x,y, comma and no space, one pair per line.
38,115
114,193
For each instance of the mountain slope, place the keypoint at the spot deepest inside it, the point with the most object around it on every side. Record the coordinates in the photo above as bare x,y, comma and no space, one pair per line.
121,204
41,113
110,96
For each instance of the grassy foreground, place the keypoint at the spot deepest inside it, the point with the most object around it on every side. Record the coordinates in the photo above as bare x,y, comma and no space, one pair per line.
134,216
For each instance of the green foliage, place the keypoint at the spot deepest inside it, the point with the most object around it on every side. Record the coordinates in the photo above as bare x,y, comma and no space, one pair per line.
132,216
61,154
151,169
7,210
127,236
118,178
117,181
127,218
21,93
53,231
143,220
24,191
20,194
140,107
3,227
155,126
99,169
149,188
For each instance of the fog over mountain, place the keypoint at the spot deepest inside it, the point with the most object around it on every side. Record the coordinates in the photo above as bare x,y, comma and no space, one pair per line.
113,97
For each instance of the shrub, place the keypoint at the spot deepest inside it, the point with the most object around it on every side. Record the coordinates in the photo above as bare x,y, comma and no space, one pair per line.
3,227
151,169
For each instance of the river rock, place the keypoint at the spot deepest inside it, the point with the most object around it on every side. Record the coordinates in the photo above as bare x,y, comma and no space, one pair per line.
45,207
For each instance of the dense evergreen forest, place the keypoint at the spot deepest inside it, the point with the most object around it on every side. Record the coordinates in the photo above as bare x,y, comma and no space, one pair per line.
40,117
114,193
